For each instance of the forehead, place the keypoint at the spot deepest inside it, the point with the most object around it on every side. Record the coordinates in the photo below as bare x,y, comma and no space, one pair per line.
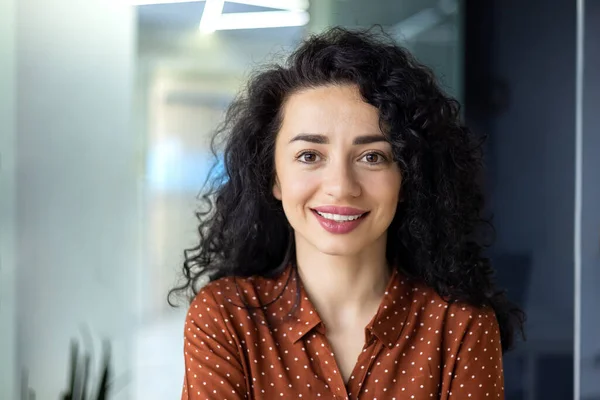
328,110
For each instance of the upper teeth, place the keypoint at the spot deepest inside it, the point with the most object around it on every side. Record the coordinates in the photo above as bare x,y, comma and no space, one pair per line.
338,217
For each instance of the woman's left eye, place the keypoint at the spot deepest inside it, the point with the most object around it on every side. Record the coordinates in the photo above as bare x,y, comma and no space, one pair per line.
374,158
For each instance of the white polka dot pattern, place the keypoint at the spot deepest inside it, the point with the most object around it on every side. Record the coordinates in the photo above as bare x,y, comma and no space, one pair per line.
417,346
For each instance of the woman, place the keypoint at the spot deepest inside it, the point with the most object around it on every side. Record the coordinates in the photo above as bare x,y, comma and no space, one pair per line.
342,244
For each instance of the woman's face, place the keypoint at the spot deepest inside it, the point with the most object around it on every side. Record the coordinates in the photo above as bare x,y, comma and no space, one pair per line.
335,173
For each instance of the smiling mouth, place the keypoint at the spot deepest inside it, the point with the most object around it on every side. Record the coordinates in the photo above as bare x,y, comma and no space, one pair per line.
340,217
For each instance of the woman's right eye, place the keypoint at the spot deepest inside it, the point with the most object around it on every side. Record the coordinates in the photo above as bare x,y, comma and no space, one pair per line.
308,157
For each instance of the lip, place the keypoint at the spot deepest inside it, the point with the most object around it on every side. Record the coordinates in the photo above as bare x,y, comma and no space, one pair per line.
339,227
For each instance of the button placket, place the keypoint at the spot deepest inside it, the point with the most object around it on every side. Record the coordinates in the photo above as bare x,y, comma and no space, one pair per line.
363,366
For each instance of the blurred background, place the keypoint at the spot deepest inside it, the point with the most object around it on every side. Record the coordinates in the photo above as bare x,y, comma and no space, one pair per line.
106,107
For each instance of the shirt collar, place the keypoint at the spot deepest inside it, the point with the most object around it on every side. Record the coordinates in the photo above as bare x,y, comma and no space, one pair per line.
386,325
305,317
388,322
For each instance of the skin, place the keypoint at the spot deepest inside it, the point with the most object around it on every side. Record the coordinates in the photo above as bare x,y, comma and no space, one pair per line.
330,151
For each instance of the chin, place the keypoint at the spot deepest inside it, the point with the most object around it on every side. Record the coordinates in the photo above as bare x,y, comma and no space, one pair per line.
340,248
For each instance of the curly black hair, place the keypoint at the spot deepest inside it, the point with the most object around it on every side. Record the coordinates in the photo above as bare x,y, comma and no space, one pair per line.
437,234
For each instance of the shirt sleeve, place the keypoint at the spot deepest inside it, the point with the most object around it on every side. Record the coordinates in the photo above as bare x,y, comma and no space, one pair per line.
478,370
213,367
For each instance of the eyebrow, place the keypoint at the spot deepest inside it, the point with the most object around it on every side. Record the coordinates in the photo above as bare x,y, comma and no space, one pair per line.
322,139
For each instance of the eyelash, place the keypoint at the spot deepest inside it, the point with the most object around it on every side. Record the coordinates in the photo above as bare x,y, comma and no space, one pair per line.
384,159
304,153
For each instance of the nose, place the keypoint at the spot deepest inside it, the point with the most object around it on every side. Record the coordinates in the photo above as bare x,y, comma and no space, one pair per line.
340,181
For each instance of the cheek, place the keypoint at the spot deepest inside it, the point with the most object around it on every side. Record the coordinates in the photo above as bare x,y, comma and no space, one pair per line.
384,188
298,186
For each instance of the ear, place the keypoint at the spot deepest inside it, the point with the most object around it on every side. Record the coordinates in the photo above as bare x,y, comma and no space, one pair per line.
276,189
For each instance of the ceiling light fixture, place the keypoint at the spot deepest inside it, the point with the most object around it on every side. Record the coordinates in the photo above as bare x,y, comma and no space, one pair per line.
211,16
262,19
292,13
290,5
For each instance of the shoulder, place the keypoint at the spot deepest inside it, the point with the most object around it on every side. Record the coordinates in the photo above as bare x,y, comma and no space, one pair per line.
471,322
213,300
232,298
459,325
457,317
248,291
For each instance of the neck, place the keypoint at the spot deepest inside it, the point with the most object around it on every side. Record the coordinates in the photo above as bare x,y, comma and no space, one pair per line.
344,289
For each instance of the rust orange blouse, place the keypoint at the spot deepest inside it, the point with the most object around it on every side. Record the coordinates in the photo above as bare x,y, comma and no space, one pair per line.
417,346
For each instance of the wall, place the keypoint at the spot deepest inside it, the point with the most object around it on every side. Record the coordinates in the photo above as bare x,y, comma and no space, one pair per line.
522,94
532,141
8,377
590,228
78,245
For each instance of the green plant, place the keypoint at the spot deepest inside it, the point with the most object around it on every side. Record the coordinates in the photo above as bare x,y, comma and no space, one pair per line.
80,387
